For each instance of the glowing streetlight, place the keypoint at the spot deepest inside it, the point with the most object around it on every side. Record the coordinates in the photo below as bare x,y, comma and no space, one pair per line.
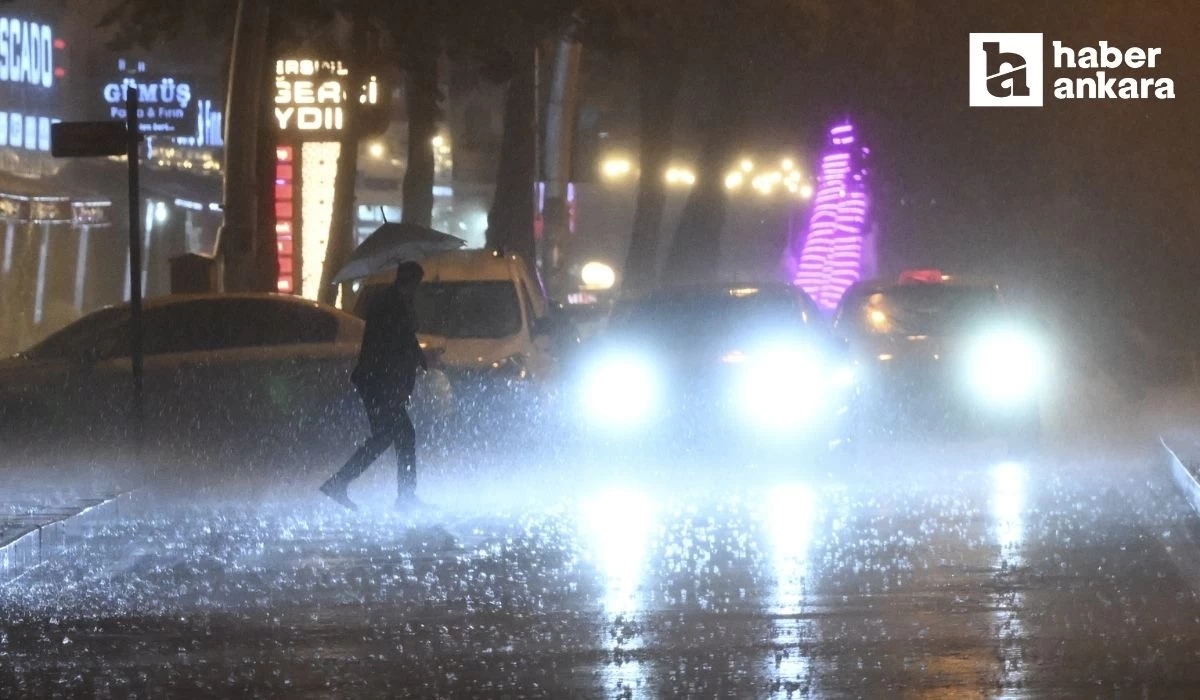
680,176
597,275
747,165
376,150
616,168
763,184
734,180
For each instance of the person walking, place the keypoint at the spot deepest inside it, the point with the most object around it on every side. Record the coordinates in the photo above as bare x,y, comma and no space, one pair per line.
384,378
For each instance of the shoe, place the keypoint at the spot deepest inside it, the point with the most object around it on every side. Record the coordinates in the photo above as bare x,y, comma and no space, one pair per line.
408,502
338,493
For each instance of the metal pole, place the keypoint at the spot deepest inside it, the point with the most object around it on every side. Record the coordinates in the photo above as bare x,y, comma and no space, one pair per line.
136,335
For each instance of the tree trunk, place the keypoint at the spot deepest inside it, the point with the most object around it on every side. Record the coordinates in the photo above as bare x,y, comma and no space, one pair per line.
561,110
658,88
510,222
421,95
243,118
695,254
341,226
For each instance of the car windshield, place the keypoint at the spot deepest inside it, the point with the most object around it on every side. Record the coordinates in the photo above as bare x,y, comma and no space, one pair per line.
468,309
924,309
706,313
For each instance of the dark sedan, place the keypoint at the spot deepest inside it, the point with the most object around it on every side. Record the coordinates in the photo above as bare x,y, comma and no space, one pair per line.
699,366
933,352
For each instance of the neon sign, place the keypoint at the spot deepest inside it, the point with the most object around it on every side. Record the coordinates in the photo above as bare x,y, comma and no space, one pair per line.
832,250
26,52
166,103
309,95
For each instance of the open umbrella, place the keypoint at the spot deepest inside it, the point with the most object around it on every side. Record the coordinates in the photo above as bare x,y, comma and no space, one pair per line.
392,244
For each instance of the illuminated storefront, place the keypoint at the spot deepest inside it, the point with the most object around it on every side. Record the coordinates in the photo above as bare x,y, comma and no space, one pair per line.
309,118
30,69
44,260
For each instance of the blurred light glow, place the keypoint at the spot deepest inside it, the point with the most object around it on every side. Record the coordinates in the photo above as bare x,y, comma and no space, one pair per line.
843,376
885,356
787,164
616,168
877,318
747,165
1008,481
806,191
1006,366
597,275
438,141
734,357
680,176
318,167
734,180
160,212
781,388
618,525
791,513
621,390
376,149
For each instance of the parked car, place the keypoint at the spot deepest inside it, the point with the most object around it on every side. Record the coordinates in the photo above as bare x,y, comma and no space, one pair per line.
215,365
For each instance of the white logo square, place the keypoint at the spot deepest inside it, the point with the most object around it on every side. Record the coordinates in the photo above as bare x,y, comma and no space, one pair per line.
1006,69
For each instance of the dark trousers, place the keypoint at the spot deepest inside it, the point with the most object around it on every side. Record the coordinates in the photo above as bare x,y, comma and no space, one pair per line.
387,412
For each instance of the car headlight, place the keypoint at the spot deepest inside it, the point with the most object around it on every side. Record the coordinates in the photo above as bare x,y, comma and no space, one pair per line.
1006,366
620,389
844,376
781,388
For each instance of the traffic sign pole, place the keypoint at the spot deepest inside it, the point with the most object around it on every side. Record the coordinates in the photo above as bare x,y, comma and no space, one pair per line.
136,330
94,139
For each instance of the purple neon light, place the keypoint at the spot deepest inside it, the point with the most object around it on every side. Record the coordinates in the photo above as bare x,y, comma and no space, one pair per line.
830,255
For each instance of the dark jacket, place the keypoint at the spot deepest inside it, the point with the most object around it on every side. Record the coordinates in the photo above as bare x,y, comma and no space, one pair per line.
390,353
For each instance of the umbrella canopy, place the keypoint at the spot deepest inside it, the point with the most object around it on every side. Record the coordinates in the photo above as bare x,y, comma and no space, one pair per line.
392,244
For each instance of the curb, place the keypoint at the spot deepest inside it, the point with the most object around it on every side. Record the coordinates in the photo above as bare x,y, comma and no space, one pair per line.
1184,479
56,532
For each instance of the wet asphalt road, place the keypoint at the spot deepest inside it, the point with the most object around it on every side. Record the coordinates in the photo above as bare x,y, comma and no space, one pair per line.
922,573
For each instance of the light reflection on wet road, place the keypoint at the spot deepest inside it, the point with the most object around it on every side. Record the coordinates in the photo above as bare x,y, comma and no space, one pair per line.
914,576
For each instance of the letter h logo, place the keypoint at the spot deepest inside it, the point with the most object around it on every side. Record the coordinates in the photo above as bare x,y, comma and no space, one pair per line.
1006,70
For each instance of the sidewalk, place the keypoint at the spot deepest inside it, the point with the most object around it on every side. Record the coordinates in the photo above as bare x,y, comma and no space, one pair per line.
31,533
45,510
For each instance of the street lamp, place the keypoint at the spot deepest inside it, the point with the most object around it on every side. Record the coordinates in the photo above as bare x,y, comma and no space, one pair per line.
680,176
598,276
616,168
